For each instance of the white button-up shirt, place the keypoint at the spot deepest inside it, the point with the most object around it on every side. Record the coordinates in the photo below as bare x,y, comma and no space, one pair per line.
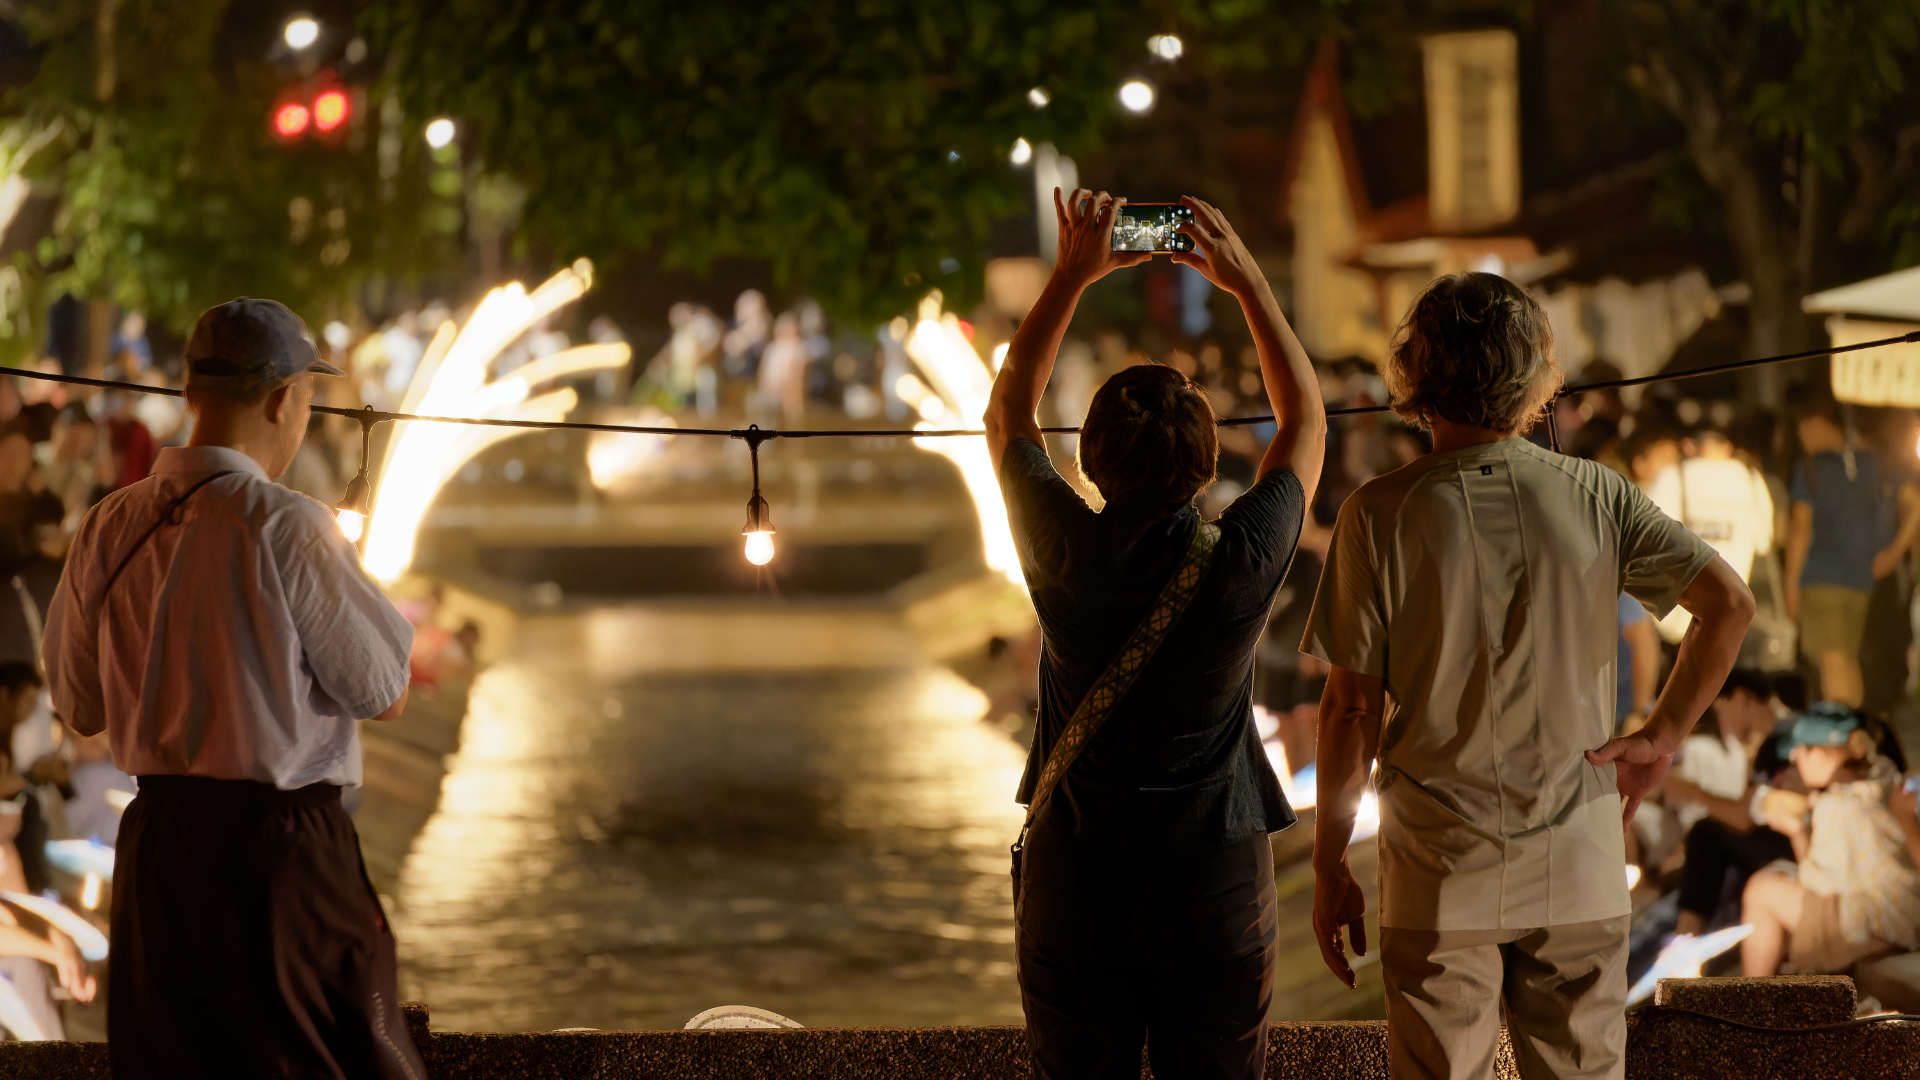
242,642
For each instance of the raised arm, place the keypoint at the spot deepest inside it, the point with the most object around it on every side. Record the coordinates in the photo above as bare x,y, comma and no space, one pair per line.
1293,390
1086,255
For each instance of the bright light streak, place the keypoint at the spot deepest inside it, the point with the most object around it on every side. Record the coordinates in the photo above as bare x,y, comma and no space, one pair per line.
451,380
759,548
1022,152
1136,95
1684,957
301,32
1038,97
1633,877
1166,46
957,385
1000,356
440,132
353,524
90,893
616,461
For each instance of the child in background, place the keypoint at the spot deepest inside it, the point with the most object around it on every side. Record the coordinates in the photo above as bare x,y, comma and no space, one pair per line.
1856,893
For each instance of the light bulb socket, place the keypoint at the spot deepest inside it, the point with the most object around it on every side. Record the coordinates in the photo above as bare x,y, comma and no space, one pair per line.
759,519
357,495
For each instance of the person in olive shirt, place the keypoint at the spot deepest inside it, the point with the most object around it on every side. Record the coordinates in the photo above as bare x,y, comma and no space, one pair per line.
1147,912
1468,609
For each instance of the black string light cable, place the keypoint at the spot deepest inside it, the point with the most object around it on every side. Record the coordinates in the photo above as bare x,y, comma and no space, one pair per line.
759,529
369,414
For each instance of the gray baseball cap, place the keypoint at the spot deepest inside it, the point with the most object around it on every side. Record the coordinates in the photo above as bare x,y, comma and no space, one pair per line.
252,344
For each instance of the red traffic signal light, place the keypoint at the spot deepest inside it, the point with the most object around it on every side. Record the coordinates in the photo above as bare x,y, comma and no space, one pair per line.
290,120
330,110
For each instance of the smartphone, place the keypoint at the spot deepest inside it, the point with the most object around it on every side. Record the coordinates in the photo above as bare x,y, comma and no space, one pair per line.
1152,227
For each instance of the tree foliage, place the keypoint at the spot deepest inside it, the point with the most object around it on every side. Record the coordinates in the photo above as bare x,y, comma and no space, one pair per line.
169,189
859,147
1800,119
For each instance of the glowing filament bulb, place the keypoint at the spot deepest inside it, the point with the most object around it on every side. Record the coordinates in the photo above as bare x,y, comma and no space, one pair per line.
353,524
759,547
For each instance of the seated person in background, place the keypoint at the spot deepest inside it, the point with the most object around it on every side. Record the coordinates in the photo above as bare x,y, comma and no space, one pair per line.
440,657
24,947
80,470
1710,790
1856,894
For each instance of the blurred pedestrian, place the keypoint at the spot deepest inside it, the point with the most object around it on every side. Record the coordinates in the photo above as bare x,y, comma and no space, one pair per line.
1842,522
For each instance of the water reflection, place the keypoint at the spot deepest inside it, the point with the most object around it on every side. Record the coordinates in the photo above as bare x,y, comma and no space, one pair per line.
656,811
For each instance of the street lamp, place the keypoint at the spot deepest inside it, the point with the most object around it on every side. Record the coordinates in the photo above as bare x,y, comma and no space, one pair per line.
440,132
1136,95
301,32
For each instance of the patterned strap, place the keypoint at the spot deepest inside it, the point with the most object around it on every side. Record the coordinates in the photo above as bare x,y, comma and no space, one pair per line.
1125,668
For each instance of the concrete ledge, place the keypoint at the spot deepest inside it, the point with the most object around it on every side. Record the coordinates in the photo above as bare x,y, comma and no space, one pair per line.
1787,1001
1662,1044
1682,1046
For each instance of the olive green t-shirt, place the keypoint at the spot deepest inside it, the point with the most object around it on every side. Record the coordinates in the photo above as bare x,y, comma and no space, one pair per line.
1481,585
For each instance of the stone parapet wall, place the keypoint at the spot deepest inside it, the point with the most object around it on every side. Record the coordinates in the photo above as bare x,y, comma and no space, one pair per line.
1753,1029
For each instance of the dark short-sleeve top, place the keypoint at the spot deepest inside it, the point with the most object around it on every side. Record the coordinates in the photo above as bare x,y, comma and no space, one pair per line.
1179,761
1852,517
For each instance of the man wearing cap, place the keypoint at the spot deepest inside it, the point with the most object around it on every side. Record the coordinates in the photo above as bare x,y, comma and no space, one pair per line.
221,631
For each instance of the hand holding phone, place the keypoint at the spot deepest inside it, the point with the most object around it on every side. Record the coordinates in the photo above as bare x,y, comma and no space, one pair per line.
1086,252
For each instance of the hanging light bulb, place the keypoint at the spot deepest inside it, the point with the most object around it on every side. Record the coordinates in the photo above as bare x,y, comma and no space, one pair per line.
350,513
759,533
759,529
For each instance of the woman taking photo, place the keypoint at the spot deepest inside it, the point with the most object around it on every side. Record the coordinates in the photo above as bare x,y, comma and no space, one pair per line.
1143,882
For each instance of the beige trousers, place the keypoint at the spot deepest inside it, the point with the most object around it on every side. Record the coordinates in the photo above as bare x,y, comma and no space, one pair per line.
1563,988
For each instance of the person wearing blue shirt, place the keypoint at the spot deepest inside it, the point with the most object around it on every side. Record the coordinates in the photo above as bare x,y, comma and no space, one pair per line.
1842,524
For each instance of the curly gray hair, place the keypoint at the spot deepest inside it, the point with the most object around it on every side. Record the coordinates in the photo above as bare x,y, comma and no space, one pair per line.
1475,349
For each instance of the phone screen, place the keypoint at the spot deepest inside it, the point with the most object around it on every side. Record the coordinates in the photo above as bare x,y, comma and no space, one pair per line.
1152,227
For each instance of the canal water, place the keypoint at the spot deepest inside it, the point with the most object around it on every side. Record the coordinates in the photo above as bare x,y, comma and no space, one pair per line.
659,809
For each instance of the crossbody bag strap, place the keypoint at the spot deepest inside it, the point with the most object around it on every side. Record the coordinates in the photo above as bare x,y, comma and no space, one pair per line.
168,516
1124,669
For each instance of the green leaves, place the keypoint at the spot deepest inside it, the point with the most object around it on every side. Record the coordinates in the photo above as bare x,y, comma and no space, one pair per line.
173,192
813,137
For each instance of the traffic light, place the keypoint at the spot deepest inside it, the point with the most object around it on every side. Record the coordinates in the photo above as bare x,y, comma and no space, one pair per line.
322,110
290,120
330,110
